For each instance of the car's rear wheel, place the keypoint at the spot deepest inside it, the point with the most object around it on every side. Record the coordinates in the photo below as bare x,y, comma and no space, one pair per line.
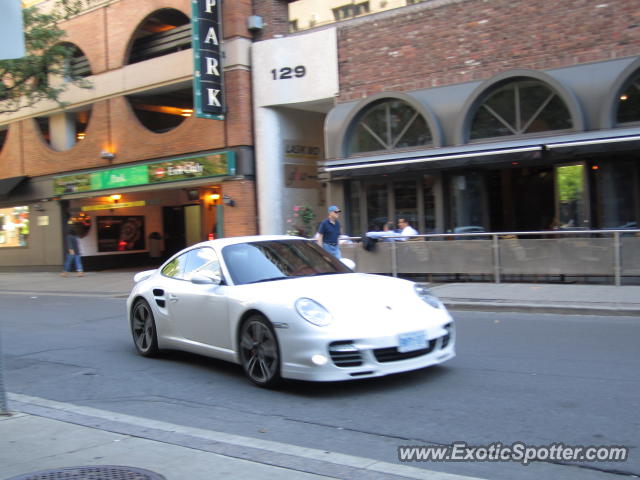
259,352
143,329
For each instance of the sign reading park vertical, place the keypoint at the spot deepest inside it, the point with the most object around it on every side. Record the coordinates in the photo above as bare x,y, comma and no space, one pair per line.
208,88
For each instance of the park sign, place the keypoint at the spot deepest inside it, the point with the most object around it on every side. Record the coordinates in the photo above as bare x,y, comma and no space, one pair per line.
208,85
187,168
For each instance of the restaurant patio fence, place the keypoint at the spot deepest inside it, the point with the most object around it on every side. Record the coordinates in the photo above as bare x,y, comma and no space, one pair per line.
576,256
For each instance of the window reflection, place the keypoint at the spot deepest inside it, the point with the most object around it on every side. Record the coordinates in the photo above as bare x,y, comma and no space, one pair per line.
570,188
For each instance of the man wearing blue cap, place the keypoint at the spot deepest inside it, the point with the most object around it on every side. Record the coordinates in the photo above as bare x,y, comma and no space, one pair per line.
329,231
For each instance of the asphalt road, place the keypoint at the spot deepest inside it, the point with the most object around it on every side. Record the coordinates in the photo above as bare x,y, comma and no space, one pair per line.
537,379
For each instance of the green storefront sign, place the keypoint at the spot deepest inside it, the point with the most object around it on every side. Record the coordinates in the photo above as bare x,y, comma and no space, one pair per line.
214,165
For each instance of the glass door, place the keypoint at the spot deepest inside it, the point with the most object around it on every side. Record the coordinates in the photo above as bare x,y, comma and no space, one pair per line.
572,209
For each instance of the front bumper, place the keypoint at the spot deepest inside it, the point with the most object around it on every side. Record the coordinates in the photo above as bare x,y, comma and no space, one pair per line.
365,358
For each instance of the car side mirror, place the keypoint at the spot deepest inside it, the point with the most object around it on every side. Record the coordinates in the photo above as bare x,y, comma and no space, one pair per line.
209,279
348,263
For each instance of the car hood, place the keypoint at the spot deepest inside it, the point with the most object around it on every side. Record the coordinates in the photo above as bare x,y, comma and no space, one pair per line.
359,299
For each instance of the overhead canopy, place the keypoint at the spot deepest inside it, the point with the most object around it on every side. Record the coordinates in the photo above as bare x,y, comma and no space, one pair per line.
552,148
7,185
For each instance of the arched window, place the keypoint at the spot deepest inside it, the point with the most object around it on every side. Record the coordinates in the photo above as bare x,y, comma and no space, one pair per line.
629,101
76,63
520,107
161,110
388,125
63,130
163,32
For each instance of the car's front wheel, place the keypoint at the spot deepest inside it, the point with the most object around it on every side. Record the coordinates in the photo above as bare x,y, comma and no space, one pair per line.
259,352
143,329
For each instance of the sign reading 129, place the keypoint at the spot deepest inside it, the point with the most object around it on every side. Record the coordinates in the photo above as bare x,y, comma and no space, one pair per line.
286,73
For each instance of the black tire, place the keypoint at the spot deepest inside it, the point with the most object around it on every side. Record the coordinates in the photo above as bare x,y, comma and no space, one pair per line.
260,352
143,329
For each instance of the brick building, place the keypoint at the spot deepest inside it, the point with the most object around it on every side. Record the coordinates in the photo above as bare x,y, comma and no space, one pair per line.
462,115
128,157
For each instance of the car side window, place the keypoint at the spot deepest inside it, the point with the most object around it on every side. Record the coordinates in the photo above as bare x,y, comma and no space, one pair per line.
203,261
175,267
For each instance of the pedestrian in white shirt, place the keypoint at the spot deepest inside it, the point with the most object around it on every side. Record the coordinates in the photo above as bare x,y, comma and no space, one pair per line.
406,230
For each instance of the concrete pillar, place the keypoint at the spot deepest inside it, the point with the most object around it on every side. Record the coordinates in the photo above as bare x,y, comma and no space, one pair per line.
62,131
269,171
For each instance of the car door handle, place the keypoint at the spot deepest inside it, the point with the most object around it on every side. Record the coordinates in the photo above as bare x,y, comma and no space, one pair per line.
173,298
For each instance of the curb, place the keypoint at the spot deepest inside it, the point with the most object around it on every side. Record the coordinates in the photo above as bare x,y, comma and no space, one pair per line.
497,306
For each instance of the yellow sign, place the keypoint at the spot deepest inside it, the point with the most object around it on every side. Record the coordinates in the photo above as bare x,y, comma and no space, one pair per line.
111,206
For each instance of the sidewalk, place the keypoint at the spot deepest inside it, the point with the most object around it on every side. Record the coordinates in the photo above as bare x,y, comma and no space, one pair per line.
515,297
47,437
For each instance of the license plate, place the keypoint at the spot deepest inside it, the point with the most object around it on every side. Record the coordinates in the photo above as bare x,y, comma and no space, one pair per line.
408,342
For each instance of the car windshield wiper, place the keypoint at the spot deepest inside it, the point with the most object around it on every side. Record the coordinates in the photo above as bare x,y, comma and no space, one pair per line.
272,279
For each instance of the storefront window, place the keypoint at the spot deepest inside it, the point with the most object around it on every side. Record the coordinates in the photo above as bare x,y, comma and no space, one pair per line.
571,201
467,203
629,102
355,217
616,187
429,203
389,125
14,226
405,194
377,205
518,108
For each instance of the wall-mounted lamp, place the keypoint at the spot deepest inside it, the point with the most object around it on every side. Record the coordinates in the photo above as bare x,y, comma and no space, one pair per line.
227,200
107,155
187,112
214,198
115,197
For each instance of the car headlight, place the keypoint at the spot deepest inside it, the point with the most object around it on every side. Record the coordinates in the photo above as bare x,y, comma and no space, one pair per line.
313,312
429,298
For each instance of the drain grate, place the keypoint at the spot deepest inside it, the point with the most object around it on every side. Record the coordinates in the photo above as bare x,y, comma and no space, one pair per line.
92,472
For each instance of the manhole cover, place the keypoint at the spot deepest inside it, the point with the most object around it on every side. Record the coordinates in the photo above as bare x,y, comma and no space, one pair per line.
94,472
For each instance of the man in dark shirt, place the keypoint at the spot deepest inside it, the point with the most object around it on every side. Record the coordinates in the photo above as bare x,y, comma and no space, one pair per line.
329,231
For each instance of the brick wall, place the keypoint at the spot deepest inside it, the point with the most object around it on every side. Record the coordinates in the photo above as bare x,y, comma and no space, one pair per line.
275,14
445,42
104,35
240,219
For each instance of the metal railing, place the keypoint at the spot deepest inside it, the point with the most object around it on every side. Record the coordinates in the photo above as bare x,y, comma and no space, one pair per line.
565,255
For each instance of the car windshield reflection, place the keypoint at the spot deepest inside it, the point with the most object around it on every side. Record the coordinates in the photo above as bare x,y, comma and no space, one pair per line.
278,260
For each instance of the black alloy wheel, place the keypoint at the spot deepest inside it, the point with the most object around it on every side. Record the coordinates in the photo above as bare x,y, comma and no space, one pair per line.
143,329
259,352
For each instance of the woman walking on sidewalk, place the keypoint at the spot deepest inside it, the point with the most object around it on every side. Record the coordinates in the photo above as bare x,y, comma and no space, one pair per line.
73,254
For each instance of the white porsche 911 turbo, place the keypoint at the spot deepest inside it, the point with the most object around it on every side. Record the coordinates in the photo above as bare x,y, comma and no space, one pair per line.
282,307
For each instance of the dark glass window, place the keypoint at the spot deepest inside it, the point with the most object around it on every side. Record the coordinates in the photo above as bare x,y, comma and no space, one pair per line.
389,125
520,107
377,205
405,196
629,102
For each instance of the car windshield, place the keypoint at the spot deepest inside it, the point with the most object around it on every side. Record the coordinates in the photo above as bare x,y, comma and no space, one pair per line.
278,259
